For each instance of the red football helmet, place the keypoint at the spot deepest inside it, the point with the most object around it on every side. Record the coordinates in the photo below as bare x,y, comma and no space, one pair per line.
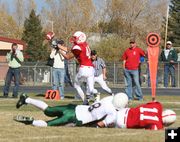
78,37
50,35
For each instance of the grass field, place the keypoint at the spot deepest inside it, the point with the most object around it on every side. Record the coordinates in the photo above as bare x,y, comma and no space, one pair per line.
11,131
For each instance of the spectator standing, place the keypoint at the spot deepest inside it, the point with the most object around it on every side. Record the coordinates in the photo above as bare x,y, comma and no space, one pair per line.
58,71
178,54
169,57
100,73
131,58
14,58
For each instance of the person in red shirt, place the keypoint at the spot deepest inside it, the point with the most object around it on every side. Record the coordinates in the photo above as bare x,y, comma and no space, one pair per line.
81,51
149,116
131,60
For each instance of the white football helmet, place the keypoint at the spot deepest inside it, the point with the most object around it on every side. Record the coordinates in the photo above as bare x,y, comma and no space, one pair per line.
120,100
78,37
50,35
168,117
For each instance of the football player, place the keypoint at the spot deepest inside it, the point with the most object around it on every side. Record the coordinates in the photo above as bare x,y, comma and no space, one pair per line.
102,113
81,51
148,116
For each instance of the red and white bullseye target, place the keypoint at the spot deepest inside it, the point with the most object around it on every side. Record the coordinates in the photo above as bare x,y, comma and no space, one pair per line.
153,39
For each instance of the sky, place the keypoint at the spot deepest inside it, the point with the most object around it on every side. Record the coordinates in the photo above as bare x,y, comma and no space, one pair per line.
41,3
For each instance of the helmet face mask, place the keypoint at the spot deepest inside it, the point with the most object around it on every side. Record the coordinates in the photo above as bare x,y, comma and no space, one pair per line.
73,39
78,38
168,117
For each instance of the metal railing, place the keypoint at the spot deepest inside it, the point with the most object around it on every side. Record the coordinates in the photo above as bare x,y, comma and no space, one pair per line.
40,74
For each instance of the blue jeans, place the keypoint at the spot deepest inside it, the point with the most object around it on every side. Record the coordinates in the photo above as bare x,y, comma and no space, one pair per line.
67,78
12,72
58,80
131,75
169,70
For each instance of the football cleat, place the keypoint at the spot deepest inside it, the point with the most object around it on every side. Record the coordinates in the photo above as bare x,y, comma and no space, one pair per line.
23,119
21,100
97,97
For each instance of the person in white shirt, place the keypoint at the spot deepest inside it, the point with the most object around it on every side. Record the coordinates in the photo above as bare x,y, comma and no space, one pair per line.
58,71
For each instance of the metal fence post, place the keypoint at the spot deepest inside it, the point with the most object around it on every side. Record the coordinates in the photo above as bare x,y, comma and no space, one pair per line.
178,75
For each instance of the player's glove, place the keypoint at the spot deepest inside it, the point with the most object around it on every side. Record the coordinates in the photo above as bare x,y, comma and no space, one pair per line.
60,41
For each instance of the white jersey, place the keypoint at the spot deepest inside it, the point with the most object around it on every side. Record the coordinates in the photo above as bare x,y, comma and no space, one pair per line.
121,121
96,111
108,99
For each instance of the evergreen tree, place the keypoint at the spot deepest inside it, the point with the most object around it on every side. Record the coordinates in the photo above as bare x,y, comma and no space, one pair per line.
34,37
174,23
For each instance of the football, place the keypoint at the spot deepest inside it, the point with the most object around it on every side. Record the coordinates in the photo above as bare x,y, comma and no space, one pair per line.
50,35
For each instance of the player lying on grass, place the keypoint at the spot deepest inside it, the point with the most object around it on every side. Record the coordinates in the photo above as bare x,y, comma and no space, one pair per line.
148,116
78,115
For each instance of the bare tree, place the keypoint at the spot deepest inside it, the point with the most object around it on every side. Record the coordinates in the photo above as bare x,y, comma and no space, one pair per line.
69,16
19,15
8,26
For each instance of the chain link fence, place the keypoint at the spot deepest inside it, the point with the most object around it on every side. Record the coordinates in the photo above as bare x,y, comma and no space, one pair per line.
39,74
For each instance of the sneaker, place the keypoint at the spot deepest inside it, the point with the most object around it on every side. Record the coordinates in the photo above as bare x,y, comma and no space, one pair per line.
77,97
86,102
14,96
90,98
97,98
62,98
21,100
23,119
138,99
112,94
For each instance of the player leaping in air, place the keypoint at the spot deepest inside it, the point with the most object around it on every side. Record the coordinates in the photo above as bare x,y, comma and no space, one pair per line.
81,51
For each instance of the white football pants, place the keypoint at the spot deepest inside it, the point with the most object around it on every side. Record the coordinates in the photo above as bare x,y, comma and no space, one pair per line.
85,73
99,79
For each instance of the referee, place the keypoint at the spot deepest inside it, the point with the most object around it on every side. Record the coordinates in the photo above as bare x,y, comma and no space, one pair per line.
100,73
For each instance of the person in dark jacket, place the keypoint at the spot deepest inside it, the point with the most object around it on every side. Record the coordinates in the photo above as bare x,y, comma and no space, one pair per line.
169,57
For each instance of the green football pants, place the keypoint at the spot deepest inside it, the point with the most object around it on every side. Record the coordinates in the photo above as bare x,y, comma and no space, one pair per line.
64,114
